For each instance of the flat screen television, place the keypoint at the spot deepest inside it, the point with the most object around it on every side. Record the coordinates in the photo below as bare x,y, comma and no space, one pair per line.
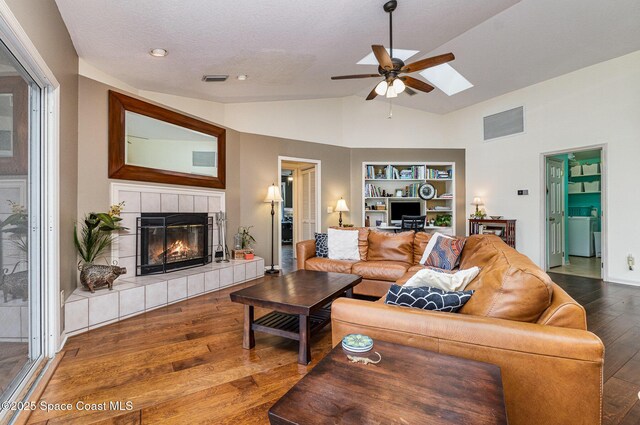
399,208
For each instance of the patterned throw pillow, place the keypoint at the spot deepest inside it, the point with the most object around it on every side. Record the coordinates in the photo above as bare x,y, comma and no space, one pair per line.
427,298
322,248
445,253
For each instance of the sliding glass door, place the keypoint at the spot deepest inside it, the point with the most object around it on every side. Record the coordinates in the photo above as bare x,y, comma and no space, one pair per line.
21,293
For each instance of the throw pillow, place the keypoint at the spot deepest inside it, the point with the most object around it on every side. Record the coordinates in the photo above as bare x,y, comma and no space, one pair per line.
427,298
442,252
343,244
443,279
322,250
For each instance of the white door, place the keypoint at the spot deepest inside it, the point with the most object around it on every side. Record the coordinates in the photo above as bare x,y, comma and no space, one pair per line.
308,198
555,212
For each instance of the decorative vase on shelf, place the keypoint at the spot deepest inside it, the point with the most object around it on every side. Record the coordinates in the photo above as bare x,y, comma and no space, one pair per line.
237,242
367,222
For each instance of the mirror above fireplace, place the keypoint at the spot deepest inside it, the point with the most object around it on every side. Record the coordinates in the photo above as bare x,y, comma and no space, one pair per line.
153,144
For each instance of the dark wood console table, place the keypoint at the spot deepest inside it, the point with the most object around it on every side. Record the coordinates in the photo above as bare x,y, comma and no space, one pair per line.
505,228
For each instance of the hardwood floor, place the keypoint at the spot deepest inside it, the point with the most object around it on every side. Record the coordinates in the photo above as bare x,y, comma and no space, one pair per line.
613,313
185,363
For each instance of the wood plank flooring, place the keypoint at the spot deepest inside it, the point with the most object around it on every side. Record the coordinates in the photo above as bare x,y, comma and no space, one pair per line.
185,363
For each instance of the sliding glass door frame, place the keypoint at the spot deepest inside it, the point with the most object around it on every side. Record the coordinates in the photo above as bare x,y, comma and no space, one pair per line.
44,204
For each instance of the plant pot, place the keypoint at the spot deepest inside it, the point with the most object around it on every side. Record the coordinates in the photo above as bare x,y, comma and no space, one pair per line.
94,276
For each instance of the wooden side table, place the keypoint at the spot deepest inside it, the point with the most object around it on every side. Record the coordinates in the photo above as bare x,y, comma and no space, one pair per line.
505,228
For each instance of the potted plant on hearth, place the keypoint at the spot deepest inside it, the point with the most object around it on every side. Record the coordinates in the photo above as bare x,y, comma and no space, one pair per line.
247,242
94,238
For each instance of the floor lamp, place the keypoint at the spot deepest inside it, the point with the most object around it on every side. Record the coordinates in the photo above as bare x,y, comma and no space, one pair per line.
273,196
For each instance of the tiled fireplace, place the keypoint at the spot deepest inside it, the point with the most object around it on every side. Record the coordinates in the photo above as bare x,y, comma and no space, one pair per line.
131,294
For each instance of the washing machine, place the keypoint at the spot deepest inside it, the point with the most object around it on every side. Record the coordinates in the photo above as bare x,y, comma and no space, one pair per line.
581,236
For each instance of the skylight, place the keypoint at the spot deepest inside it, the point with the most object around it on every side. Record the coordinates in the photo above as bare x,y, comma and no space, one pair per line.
446,79
402,54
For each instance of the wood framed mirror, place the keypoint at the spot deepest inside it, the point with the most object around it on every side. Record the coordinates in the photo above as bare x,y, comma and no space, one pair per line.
153,144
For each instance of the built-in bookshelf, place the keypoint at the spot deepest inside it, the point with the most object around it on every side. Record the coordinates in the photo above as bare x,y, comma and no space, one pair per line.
390,189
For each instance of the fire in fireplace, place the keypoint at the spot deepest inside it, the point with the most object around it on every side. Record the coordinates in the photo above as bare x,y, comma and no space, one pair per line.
171,241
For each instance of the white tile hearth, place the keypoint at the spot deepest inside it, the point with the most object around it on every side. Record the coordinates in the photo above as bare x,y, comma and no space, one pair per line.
177,289
211,280
239,272
130,264
127,245
129,221
214,204
185,203
169,202
131,301
150,202
134,295
226,276
195,285
76,315
103,308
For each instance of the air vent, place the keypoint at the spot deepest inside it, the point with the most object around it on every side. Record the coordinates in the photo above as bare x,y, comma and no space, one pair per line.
504,123
214,78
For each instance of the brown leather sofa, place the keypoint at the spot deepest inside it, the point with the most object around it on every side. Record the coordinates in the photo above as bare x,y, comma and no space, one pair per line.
517,319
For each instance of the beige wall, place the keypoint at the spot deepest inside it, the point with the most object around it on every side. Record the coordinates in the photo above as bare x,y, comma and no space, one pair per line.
42,22
358,156
259,168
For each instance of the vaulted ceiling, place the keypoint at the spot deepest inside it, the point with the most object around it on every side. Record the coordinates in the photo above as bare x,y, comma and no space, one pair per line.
289,49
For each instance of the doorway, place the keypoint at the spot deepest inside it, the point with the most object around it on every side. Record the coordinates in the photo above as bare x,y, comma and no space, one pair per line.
300,208
574,218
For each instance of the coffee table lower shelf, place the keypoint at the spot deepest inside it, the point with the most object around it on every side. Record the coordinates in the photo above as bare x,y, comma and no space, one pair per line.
288,325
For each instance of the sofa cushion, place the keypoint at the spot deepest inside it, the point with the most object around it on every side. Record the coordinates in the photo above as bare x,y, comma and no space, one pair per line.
389,271
322,249
427,298
343,244
442,252
443,279
391,246
328,265
419,244
510,286
363,242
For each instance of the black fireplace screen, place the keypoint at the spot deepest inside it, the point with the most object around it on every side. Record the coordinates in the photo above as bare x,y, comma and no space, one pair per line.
171,241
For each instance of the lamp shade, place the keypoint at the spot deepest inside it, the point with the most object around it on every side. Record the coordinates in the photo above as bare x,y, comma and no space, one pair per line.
341,206
273,194
477,201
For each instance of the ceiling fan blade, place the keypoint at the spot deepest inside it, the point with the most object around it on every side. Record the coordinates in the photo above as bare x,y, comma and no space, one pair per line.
382,56
428,63
349,77
372,95
410,92
417,84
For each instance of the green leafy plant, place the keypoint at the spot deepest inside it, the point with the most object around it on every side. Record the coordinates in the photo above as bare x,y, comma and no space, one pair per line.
443,220
17,225
95,233
245,235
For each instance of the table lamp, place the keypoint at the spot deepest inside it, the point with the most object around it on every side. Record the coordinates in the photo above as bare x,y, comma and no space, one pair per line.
341,206
273,196
477,201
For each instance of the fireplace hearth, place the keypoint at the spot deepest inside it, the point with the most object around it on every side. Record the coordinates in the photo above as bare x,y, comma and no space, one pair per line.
167,242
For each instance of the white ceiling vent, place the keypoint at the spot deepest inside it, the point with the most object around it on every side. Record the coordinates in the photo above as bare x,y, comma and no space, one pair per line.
504,123
214,78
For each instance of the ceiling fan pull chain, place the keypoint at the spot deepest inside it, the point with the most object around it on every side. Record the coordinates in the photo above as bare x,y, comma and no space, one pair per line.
390,109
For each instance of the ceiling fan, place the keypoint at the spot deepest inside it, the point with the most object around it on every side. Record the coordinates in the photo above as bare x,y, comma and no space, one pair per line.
391,68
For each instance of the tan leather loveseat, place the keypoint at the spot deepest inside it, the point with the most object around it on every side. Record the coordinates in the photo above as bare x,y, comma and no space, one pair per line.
517,319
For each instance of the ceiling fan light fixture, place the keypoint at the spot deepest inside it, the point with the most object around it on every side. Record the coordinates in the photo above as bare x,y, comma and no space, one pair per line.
381,88
398,85
391,91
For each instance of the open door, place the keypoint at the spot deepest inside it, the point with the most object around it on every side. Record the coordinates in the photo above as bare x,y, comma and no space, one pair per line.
555,212
308,199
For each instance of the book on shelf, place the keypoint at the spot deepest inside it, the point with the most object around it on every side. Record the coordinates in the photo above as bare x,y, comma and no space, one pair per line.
372,191
389,172
435,174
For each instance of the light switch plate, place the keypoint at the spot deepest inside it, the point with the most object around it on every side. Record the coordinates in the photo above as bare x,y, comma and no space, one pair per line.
329,210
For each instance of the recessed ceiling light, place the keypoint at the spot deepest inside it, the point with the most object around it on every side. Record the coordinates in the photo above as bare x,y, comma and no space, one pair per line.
446,79
158,52
401,54
242,77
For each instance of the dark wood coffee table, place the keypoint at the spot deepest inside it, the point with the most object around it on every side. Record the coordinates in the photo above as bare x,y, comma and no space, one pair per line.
301,302
409,386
